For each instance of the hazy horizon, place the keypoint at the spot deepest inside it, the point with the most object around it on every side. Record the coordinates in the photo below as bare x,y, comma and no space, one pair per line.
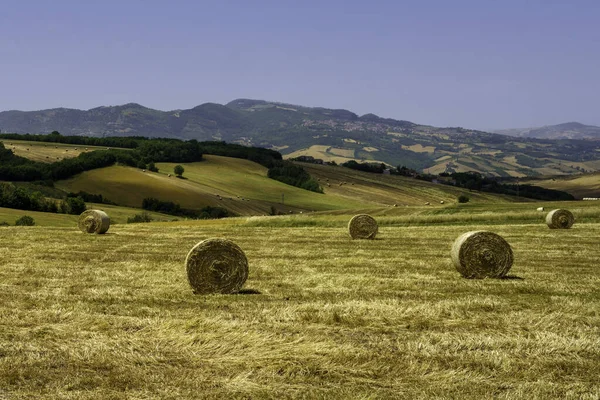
477,64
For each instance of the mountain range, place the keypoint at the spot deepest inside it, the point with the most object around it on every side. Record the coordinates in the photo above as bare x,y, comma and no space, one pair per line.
331,135
569,130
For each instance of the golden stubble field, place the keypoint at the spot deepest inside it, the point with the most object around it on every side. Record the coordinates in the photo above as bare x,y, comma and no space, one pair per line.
321,316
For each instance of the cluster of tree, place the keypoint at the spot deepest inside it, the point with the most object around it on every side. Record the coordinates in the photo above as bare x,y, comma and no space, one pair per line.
22,199
476,181
292,174
171,208
130,142
377,168
90,198
264,157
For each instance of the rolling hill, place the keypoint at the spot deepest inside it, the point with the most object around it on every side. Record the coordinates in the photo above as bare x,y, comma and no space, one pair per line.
243,188
580,186
569,130
330,134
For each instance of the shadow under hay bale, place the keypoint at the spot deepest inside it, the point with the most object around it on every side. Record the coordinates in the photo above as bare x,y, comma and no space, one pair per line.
560,219
363,226
93,221
482,254
216,266
249,291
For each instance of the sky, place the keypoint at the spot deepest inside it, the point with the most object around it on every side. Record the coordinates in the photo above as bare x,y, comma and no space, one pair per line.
480,64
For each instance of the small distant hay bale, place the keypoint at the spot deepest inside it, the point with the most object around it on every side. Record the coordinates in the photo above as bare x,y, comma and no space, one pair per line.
482,254
395,205
363,226
94,221
560,219
428,203
216,266
442,202
540,209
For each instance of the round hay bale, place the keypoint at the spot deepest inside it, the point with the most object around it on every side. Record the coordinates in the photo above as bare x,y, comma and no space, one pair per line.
540,209
363,226
442,202
560,219
481,254
93,221
216,266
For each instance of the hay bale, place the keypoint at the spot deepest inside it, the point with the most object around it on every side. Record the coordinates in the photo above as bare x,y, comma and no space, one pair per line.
94,221
442,202
216,266
481,254
560,219
363,226
540,209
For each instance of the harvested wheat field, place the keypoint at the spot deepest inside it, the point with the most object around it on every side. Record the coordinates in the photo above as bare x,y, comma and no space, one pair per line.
320,316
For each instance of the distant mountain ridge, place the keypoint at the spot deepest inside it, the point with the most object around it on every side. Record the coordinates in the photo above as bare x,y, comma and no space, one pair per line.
569,130
329,134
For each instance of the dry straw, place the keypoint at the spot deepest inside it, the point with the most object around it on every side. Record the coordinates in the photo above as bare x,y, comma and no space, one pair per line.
481,254
560,219
216,266
362,226
94,221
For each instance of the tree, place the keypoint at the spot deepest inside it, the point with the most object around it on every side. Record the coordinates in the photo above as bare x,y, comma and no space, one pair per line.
25,220
76,205
178,170
152,167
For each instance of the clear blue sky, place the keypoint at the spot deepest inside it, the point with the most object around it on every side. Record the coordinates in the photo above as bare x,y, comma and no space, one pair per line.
478,64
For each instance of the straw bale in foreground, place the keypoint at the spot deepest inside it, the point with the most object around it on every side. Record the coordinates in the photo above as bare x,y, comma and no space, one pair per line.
216,266
93,221
560,219
482,254
362,226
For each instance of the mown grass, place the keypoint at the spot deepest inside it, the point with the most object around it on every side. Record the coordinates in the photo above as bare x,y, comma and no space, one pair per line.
322,316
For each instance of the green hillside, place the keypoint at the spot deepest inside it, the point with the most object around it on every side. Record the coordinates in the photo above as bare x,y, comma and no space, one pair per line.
242,187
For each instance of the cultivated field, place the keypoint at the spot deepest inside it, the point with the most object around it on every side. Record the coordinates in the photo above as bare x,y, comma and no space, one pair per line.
112,316
46,152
